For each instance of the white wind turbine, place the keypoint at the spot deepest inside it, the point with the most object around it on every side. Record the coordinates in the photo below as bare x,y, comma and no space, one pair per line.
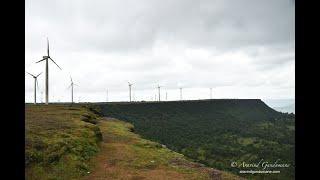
35,85
71,85
130,90
159,91
46,58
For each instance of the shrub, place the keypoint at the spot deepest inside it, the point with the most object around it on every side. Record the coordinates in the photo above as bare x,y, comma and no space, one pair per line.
88,118
97,133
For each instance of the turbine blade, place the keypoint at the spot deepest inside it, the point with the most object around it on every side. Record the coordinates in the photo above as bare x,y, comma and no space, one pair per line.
55,63
39,74
41,60
71,79
31,74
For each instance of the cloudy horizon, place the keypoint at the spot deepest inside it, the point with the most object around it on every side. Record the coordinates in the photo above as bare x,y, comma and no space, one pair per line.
240,49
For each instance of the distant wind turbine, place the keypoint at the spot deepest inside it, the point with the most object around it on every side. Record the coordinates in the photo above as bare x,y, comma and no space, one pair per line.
130,91
71,85
166,95
46,58
35,86
180,93
159,92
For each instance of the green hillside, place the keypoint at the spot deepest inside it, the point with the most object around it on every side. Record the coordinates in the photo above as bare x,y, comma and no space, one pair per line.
216,132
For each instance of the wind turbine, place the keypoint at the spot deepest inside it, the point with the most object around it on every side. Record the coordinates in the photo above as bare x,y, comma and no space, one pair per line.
180,93
46,58
130,90
159,91
71,85
166,95
35,86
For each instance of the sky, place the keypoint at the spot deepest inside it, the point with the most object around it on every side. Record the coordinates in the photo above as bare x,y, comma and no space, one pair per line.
240,49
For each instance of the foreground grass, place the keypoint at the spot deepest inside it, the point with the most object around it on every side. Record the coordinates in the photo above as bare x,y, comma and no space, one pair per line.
57,142
61,144
125,155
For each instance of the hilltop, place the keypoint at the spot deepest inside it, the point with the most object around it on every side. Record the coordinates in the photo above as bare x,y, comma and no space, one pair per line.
215,132
76,142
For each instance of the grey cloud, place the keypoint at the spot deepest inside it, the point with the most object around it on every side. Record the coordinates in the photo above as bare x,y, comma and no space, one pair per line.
205,43
128,25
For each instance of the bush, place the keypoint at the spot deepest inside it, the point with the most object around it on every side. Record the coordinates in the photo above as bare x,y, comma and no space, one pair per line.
33,157
95,109
97,133
88,118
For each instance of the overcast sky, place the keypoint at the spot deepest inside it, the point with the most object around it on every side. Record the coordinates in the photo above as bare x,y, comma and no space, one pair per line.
240,48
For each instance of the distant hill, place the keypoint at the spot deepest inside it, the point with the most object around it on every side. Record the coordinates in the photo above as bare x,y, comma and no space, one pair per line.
215,132
289,109
282,105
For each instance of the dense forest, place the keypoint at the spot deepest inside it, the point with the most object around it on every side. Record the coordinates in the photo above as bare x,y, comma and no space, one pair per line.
216,132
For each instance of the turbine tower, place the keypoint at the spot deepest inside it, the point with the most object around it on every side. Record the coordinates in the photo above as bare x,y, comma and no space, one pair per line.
166,95
180,93
71,85
46,58
130,90
35,86
159,92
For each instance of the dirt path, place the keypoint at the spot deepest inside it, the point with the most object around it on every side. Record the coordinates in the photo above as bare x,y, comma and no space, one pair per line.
124,155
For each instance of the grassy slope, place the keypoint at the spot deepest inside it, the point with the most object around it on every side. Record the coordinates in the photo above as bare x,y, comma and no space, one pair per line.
61,146
57,142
